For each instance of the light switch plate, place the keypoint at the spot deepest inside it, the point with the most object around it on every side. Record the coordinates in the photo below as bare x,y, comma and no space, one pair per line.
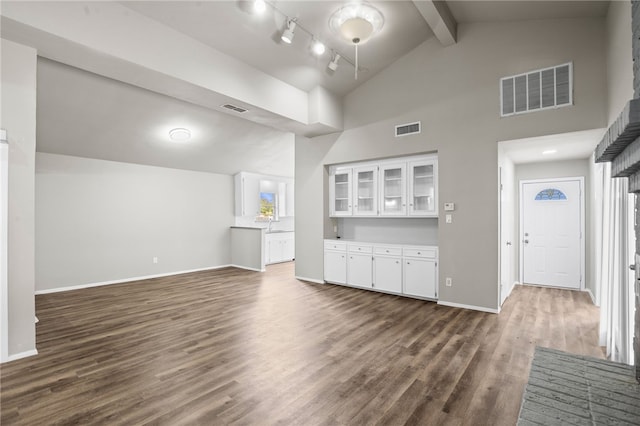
448,218
449,207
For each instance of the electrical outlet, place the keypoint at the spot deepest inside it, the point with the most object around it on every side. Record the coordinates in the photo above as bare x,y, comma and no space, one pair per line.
448,282
335,228
155,259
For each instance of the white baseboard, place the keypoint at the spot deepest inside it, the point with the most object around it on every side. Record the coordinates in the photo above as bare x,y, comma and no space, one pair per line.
247,268
126,280
593,298
472,307
21,355
311,280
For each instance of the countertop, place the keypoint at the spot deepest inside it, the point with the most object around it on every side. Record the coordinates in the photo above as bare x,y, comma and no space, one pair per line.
274,231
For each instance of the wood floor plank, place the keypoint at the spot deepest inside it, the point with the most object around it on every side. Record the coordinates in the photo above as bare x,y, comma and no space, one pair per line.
240,347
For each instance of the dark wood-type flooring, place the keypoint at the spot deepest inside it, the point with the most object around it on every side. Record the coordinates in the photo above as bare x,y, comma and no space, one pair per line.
239,347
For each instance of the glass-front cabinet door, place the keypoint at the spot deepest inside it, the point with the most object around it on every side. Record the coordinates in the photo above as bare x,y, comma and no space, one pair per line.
393,190
422,188
340,194
365,190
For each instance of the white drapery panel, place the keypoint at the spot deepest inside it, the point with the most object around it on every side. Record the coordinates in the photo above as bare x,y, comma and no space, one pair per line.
4,200
615,242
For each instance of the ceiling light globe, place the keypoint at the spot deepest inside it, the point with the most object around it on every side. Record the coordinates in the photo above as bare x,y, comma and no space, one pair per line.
358,20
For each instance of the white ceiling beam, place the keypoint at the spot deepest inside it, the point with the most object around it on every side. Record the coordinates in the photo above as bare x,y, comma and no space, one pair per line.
114,41
440,19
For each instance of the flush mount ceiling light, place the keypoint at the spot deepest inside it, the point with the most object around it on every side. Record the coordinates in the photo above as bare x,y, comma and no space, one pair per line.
549,151
357,23
288,33
179,134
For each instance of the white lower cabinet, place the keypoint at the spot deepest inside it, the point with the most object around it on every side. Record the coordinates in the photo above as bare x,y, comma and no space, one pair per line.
407,270
359,266
335,262
420,277
387,273
280,247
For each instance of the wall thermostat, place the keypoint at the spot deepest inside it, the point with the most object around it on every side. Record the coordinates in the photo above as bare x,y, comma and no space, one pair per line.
449,207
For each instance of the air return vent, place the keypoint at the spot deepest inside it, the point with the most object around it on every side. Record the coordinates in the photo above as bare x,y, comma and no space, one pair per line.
537,90
234,108
407,129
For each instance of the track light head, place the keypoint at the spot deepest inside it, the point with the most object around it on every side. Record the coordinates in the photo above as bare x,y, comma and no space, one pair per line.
333,65
318,47
259,6
288,33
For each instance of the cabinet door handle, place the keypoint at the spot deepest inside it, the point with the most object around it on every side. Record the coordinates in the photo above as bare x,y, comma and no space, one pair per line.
419,253
408,263
397,261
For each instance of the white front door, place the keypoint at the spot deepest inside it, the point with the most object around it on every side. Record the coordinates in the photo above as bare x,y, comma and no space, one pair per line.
551,232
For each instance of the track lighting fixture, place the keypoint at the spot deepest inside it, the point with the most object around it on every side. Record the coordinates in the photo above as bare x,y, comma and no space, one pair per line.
288,33
318,47
356,22
333,64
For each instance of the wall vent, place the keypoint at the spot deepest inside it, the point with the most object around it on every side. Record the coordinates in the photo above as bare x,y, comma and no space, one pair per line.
408,129
537,90
234,108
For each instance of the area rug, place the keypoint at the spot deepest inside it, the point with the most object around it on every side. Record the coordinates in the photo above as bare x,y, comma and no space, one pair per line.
566,389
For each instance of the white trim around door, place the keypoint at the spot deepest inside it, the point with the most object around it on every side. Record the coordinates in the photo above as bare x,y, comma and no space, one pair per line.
580,180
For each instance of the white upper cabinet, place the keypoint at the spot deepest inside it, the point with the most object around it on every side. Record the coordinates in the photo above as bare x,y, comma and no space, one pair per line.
340,192
247,194
365,190
422,188
399,187
393,189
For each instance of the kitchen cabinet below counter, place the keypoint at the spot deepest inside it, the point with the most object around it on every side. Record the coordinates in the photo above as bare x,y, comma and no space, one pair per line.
407,270
279,247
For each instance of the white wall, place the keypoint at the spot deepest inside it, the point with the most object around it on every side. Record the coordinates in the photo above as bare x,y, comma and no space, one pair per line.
619,58
454,91
18,117
100,221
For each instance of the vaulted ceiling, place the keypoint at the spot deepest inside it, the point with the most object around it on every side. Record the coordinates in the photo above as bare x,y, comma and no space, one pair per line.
110,106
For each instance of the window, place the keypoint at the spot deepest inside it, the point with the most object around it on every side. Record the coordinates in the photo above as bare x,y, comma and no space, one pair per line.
550,194
268,206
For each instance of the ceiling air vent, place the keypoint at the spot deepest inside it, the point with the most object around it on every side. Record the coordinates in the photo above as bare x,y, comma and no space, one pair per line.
408,129
234,108
537,90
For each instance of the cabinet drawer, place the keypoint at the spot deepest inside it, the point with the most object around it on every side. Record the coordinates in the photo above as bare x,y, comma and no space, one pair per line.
388,251
360,249
428,253
335,245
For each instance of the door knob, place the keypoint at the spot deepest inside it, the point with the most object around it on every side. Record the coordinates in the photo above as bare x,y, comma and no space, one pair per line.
508,243
526,241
